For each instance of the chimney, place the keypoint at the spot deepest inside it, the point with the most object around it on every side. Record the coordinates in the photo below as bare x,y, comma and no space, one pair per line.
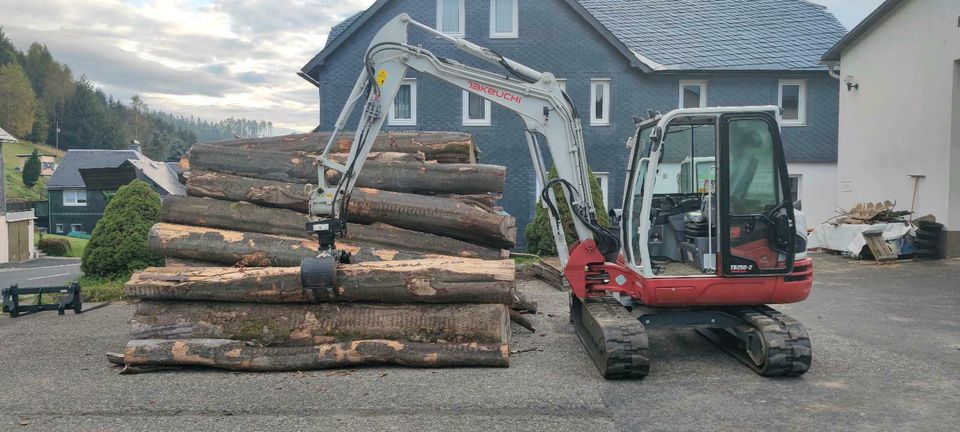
135,146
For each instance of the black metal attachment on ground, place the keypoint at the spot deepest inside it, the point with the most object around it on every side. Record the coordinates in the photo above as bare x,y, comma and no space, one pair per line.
69,299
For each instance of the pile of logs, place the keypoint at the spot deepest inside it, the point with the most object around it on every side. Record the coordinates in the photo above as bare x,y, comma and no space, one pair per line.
429,283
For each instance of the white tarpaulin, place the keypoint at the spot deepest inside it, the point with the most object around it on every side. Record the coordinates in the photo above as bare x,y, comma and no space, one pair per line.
849,237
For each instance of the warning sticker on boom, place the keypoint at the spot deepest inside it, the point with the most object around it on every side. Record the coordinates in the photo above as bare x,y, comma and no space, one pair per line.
381,77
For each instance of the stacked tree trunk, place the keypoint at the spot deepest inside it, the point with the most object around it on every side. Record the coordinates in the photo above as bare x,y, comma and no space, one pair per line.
427,285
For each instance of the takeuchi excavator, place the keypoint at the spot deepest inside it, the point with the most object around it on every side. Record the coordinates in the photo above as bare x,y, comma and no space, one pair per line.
708,236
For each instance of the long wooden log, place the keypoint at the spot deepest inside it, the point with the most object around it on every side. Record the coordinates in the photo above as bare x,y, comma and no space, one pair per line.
272,193
451,280
429,178
444,147
247,217
396,176
253,249
295,324
436,215
240,356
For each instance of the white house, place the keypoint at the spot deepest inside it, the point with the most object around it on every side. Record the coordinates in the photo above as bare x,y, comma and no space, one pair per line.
899,134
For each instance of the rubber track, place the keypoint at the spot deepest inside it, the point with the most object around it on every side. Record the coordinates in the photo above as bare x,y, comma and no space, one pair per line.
788,347
616,341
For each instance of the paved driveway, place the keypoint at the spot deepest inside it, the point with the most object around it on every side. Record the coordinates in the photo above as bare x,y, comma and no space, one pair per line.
40,272
886,358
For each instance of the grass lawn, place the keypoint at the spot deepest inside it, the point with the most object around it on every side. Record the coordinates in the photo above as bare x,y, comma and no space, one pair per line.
15,186
77,245
93,289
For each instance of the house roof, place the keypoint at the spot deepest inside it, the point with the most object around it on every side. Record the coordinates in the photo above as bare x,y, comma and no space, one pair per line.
6,137
833,55
67,174
682,35
685,35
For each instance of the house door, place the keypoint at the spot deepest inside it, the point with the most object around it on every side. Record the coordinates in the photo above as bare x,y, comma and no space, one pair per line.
19,247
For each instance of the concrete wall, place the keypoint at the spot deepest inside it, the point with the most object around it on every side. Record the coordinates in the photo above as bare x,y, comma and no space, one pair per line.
558,40
899,122
817,190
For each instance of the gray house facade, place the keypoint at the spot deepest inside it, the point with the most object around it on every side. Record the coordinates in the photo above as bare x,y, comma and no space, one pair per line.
617,59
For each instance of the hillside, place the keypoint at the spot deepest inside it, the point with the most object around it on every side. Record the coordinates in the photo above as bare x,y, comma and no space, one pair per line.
15,186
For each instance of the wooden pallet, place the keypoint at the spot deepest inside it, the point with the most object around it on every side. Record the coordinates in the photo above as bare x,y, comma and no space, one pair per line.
881,251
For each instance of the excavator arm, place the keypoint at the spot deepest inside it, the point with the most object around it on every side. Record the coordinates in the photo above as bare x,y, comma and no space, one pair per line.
534,96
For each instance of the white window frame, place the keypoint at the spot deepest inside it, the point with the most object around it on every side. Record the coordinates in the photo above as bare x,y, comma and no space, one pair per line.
75,202
76,225
799,178
703,92
605,120
604,187
58,228
412,121
465,113
463,20
493,22
801,119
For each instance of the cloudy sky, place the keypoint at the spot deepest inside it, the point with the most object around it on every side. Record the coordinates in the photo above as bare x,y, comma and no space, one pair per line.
209,58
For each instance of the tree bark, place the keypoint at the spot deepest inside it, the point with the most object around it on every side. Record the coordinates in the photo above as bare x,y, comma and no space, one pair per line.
181,262
435,215
295,324
387,236
247,217
396,176
271,193
443,147
450,280
240,356
429,178
253,249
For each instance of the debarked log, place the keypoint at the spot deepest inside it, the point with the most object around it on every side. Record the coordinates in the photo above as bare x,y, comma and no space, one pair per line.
247,217
241,356
253,249
296,324
443,147
449,280
396,176
436,215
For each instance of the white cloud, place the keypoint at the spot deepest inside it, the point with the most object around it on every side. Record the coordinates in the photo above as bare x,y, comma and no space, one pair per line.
211,59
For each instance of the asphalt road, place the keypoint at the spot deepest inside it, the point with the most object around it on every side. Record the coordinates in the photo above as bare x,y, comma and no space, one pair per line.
40,272
886,358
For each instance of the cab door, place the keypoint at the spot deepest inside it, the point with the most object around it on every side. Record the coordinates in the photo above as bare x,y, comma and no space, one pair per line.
757,225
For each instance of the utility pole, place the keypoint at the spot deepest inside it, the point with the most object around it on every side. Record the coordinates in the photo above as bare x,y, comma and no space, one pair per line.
58,134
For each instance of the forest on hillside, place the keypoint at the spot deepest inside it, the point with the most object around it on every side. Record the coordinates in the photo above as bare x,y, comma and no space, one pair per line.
39,94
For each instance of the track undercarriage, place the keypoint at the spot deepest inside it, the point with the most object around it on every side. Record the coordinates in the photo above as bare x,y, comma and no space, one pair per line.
767,341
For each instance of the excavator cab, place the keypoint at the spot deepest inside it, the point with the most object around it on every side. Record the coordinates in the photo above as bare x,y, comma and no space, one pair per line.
708,196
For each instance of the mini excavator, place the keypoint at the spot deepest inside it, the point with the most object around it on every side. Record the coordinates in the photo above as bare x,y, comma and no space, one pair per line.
708,235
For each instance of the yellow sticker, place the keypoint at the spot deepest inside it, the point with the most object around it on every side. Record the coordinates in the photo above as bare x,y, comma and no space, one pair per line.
381,77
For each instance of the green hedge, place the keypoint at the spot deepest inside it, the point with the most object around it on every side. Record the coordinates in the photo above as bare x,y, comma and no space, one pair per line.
538,234
118,246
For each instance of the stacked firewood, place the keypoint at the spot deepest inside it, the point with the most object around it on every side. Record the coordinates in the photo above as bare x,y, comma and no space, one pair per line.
428,285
